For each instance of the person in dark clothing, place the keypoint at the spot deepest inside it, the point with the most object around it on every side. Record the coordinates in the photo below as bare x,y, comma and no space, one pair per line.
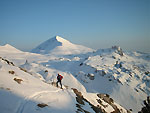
59,78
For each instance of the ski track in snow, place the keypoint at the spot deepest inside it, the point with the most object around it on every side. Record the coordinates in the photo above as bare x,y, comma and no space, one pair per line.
32,97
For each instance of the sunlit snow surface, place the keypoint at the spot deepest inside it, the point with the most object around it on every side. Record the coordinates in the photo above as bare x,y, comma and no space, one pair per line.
125,78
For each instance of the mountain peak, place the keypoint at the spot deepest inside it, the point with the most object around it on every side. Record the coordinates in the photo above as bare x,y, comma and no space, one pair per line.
59,38
8,48
8,45
59,45
63,41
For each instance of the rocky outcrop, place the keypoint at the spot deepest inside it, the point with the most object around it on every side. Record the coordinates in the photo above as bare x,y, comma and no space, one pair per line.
146,108
118,50
81,100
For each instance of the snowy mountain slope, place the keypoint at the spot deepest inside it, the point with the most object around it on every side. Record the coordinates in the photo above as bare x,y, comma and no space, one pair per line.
110,71
128,76
133,71
9,49
123,76
19,57
60,46
29,94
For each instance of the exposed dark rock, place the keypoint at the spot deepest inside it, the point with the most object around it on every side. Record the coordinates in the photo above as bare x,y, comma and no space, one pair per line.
110,79
25,70
8,62
42,105
80,109
91,76
130,73
102,73
81,64
46,71
147,72
118,65
113,57
18,80
118,50
146,108
110,101
11,72
106,98
81,100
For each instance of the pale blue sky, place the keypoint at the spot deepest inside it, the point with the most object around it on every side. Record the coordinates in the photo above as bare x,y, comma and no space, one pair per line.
93,23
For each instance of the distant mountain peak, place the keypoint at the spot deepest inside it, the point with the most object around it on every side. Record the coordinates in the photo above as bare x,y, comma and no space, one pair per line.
63,41
59,45
8,45
8,48
59,38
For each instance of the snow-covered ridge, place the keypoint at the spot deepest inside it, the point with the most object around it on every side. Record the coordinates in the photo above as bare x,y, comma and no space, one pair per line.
9,48
63,41
27,93
59,46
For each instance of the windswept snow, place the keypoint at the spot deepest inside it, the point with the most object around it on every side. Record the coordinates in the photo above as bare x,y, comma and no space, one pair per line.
106,79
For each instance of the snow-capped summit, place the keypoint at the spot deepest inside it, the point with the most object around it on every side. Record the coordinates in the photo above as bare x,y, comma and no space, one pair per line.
8,48
60,46
63,41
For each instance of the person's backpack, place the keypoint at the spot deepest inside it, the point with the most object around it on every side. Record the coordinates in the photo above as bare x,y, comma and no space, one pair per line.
59,77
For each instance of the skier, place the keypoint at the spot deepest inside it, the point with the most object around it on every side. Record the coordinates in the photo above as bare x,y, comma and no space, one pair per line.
59,78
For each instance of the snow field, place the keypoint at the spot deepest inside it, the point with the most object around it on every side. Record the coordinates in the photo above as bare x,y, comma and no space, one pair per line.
124,76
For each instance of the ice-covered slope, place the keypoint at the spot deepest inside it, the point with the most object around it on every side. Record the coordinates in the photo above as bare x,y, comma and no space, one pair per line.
60,46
